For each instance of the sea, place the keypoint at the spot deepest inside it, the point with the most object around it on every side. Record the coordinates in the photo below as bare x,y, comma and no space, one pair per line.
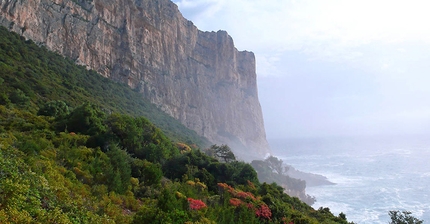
373,175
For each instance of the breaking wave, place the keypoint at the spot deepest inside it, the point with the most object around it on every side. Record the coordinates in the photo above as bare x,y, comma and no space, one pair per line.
372,177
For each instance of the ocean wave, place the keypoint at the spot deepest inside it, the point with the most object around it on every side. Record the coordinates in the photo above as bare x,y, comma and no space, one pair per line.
371,180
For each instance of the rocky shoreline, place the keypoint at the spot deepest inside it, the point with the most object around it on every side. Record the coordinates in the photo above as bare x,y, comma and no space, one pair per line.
311,179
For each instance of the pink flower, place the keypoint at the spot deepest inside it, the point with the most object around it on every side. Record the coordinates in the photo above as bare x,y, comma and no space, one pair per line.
245,195
263,211
225,186
235,202
250,206
196,204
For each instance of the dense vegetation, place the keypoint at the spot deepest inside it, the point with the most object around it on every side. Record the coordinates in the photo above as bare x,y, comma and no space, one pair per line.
75,149
403,217
41,76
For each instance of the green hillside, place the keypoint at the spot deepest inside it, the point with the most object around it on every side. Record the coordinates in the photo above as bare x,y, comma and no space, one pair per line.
44,76
78,148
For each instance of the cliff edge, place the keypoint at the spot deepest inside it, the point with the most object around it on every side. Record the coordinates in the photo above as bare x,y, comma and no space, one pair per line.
197,77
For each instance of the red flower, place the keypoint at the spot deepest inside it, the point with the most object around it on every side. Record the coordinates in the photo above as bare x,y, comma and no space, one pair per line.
196,204
245,195
235,202
225,186
263,211
250,206
222,185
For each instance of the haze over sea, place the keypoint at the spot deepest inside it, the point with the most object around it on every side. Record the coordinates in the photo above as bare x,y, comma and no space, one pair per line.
373,175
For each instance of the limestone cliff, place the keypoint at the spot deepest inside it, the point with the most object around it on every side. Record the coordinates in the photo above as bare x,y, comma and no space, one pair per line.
197,77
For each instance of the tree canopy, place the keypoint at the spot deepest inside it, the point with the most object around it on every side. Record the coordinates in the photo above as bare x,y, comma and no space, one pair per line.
403,217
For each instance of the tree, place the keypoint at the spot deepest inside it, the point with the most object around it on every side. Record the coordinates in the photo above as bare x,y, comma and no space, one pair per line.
276,165
57,109
140,138
86,119
147,172
120,172
223,152
4,99
19,98
247,173
403,217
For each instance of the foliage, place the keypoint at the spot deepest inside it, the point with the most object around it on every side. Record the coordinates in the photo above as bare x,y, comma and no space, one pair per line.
86,119
403,217
147,173
196,204
31,76
57,178
221,152
120,169
56,108
72,152
19,98
140,138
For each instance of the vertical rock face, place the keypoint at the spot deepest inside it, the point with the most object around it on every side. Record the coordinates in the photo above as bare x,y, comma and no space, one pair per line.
197,77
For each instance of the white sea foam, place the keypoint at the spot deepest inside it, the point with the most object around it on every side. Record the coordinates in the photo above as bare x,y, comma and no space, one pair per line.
371,179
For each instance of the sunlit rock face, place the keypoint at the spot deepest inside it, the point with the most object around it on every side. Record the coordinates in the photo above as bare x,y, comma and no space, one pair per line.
197,77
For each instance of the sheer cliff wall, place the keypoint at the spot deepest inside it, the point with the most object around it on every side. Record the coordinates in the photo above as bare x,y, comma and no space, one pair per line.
197,77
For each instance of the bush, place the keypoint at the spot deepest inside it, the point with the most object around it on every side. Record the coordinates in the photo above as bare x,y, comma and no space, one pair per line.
57,109
403,217
19,98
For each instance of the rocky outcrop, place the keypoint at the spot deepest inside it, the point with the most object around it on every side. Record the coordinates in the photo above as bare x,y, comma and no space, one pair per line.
197,77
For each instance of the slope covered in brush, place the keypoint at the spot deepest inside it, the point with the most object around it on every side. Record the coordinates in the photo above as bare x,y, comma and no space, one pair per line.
44,76
90,161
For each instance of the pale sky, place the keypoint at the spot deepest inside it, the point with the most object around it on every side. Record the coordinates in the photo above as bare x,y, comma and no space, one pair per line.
331,67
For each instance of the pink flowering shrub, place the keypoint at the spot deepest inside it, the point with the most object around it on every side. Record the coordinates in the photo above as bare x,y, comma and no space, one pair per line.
225,187
245,195
250,206
196,204
248,199
263,212
235,202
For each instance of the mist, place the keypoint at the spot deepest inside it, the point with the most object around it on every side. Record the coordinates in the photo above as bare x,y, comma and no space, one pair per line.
343,87
331,68
319,98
